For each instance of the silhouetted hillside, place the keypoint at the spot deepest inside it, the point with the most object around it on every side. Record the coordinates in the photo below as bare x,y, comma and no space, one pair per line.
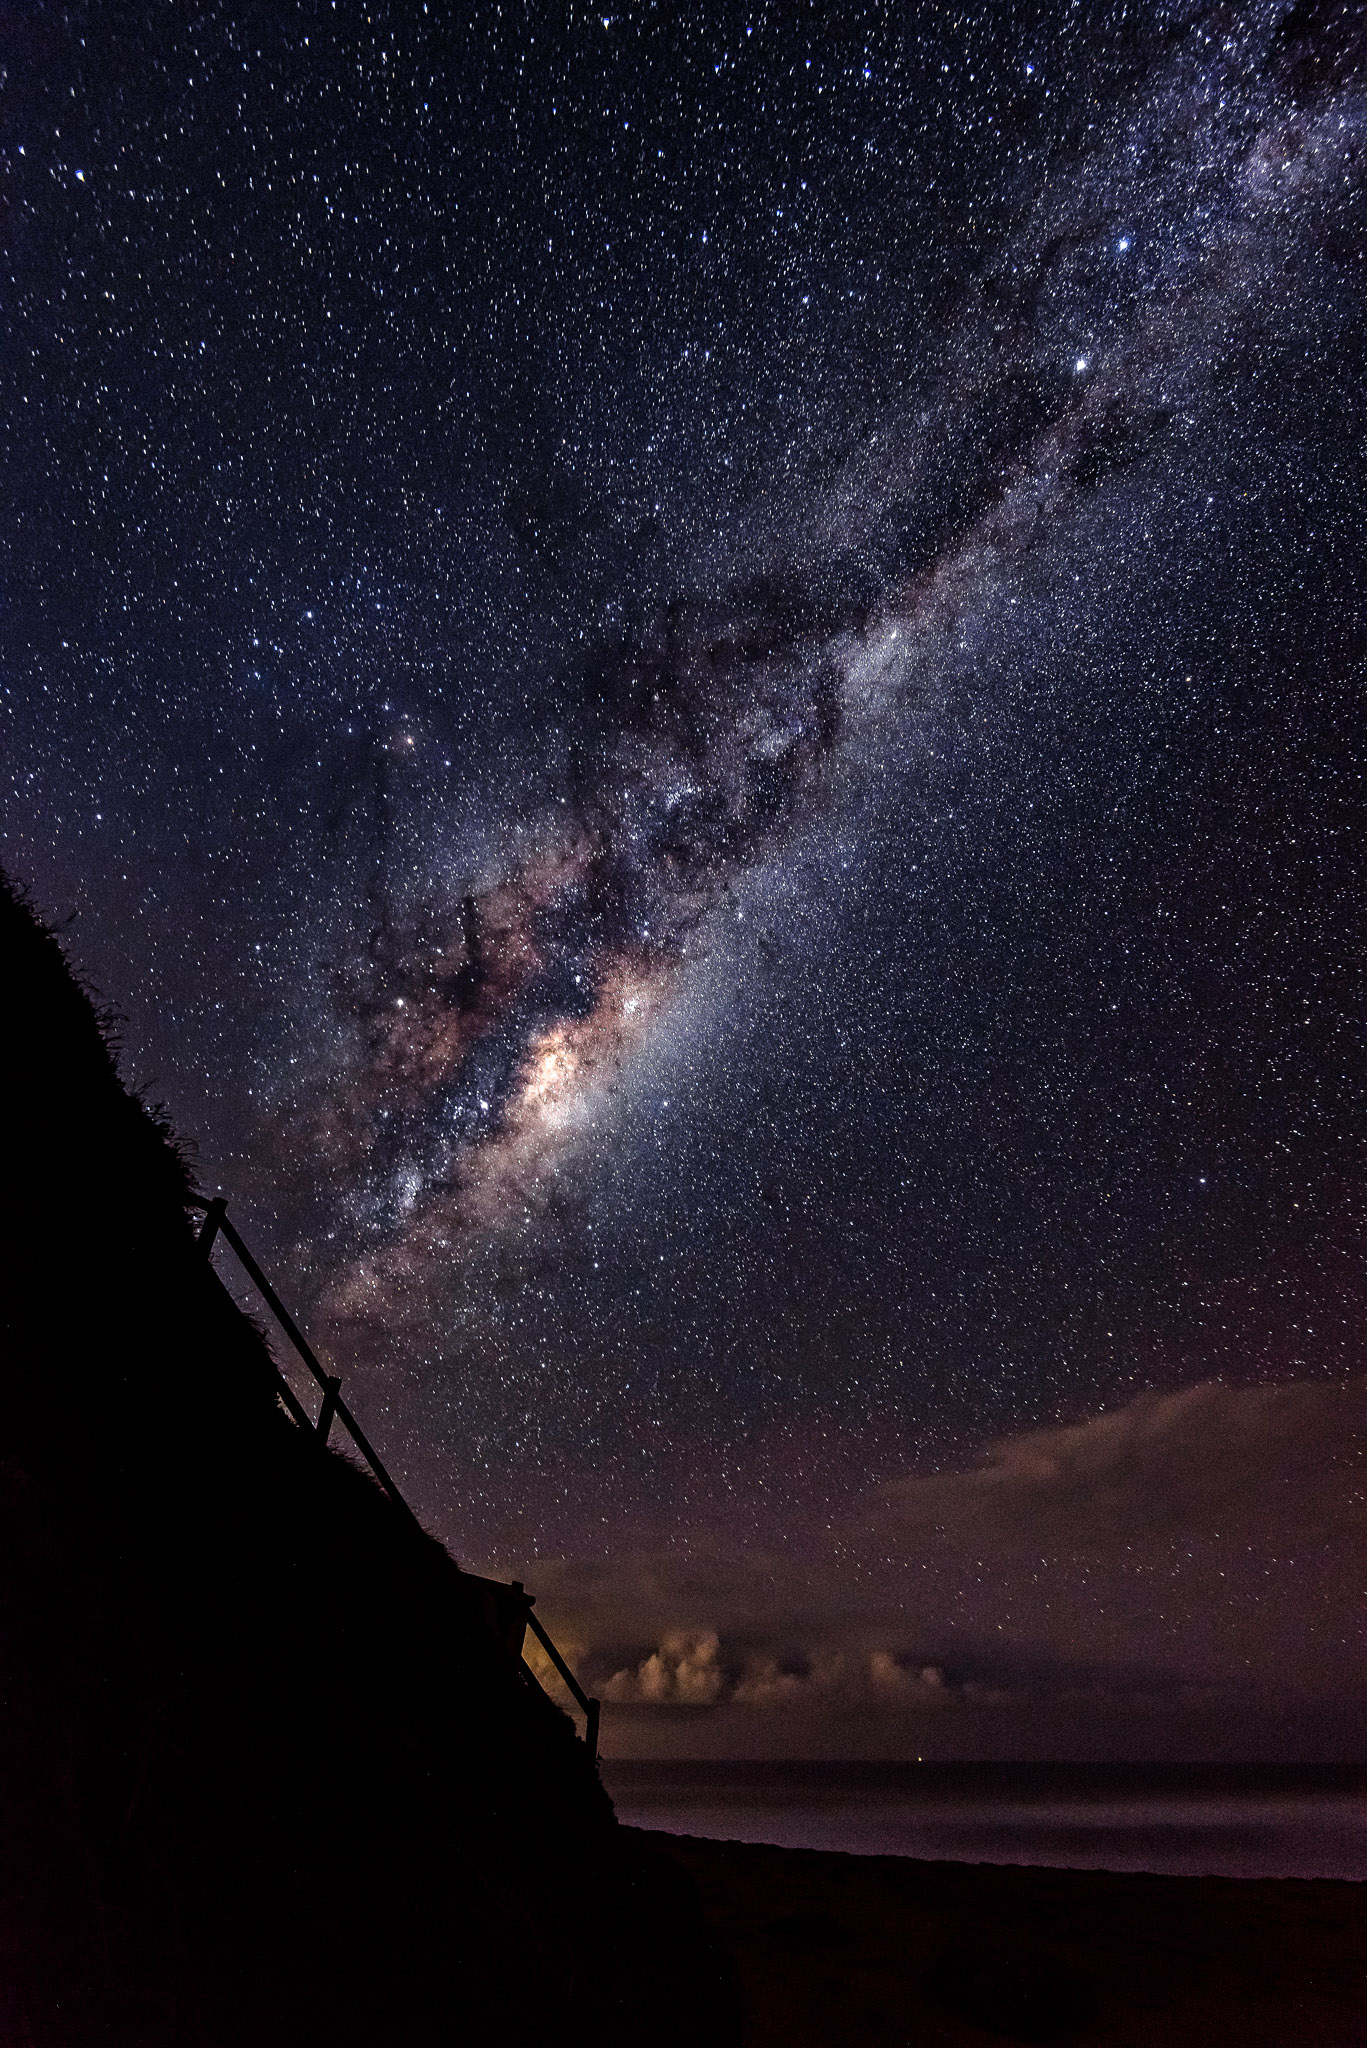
265,1776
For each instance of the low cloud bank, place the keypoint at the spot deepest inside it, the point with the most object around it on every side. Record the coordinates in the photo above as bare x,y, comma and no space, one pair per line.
1181,1576
693,1670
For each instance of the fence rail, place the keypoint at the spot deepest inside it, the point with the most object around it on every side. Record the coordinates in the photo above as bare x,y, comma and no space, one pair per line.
332,1408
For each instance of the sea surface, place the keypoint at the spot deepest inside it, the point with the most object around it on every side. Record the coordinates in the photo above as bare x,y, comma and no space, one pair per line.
1214,1821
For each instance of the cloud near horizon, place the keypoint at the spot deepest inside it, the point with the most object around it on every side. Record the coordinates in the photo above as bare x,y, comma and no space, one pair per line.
1180,1576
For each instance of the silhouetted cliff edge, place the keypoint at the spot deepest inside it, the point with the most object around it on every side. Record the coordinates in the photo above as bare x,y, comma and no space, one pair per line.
264,1775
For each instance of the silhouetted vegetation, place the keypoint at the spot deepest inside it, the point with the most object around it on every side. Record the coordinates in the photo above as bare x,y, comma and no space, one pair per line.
267,1776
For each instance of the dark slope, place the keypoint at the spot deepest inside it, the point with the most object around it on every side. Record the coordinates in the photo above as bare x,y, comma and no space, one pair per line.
265,1777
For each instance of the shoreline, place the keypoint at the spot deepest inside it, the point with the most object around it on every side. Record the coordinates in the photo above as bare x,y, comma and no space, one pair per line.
1242,1821
1028,1778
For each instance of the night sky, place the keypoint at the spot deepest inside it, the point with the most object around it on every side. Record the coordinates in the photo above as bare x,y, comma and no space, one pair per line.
696,678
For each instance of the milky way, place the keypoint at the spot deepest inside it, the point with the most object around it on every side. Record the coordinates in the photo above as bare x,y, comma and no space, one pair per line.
699,684
698,739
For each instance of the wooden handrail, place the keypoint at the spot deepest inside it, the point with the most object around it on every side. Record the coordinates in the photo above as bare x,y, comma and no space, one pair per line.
589,1708
333,1407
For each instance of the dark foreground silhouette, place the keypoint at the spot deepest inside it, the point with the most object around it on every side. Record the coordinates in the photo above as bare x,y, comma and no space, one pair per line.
887,1952
266,1774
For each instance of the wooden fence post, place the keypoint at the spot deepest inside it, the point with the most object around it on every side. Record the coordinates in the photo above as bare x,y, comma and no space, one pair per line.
331,1389
214,1213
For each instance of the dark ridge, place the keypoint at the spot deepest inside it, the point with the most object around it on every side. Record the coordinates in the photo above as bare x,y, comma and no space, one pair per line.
267,1775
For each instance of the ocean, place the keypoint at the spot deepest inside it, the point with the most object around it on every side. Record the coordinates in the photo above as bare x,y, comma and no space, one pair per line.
1257,1820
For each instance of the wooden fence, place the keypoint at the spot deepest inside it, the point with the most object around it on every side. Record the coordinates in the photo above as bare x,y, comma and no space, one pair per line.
509,1606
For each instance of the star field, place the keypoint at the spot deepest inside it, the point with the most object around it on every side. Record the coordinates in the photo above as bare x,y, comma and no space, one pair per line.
697,678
